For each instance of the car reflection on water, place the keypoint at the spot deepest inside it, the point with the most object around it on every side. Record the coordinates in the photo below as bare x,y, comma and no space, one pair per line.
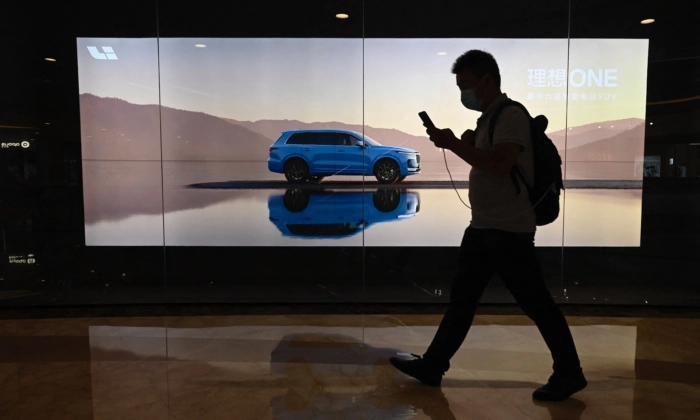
327,213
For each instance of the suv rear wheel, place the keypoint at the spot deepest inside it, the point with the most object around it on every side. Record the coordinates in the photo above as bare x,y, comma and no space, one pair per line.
296,171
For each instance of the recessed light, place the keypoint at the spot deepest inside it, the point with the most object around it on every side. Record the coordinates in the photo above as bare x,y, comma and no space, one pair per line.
342,16
50,59
442,53
200,45
648,21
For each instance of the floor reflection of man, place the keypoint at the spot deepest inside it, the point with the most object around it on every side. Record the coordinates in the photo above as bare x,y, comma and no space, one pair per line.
330,387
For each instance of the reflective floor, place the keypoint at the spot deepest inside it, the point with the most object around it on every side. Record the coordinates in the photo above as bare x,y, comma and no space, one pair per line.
335,367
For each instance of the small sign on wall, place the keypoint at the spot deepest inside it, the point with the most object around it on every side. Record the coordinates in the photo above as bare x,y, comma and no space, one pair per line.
8,145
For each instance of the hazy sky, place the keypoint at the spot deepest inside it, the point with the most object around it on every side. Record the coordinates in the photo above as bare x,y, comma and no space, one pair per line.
330,79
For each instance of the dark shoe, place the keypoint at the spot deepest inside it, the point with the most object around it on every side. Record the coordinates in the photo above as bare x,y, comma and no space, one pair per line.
560,388
418,369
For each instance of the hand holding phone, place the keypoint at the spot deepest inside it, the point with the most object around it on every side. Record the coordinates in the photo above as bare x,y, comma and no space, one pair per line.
427,122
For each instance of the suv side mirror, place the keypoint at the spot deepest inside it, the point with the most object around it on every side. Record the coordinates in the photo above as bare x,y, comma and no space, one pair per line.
360,143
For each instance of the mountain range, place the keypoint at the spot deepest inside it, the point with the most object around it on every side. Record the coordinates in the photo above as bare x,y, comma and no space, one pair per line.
589,133
113,129
625,146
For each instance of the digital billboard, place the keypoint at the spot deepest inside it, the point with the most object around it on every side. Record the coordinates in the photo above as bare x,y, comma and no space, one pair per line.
180,138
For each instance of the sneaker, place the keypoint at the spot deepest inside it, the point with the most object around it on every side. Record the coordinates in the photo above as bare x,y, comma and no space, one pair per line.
560,388
417,368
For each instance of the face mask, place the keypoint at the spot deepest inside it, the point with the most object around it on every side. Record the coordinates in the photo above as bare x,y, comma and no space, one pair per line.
469,99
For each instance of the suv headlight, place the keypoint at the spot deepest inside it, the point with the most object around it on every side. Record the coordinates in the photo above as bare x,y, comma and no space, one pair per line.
408,153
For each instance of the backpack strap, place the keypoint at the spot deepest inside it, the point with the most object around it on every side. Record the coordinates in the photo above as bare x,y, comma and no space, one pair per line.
494,117
515,173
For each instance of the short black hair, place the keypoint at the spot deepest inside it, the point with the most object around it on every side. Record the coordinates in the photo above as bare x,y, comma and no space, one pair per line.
478,62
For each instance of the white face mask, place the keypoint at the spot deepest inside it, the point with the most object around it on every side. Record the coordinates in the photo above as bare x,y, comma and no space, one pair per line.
469,99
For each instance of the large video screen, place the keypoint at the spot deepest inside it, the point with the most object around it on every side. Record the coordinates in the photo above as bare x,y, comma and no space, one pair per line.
315,142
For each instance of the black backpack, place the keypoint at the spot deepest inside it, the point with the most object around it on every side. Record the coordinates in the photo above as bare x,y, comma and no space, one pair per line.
544,194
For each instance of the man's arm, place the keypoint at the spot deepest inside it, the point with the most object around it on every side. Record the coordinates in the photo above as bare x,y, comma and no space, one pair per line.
498,162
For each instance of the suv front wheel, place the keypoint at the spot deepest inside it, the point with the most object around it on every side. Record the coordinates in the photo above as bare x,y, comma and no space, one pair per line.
296,171
386,199
387,171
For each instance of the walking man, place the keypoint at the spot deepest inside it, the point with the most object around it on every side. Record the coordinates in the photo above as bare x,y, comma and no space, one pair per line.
500,238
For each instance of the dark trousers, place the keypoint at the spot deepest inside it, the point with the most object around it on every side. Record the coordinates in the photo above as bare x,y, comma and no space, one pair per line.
512,255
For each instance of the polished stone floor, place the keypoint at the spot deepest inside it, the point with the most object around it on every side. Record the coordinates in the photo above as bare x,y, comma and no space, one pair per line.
335,367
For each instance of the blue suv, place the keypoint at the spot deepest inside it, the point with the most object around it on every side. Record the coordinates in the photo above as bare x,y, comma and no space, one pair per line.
321,214
303,155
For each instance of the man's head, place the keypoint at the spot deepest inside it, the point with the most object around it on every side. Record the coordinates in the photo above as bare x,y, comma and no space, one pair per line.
478,70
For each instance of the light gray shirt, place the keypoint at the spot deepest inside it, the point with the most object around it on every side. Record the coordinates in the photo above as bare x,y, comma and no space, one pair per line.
495,204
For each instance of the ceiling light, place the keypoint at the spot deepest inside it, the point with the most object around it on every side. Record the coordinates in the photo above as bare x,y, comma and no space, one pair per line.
648,21
200,45
695,144
47,123
342,16
442,53
50,59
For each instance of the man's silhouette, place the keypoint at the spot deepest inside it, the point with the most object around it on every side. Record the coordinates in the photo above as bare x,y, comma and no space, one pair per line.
500,238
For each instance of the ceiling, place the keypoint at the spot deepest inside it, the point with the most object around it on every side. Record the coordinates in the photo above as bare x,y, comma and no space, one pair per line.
32,30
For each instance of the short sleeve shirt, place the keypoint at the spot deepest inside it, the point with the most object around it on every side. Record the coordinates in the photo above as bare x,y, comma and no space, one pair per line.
495,203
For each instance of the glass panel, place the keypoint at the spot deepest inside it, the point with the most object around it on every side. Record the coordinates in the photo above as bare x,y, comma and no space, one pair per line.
74,157
408,64
192,116
631,211
250,216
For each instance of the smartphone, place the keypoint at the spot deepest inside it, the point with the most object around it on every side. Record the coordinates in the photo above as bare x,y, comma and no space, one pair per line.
426,119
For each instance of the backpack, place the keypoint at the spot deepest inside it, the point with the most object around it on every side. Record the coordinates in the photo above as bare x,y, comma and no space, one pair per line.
544,194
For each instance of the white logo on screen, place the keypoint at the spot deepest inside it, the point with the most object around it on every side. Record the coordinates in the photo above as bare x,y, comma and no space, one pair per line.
25,144
107,55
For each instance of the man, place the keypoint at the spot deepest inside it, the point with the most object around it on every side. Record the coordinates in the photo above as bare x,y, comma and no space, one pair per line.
501,236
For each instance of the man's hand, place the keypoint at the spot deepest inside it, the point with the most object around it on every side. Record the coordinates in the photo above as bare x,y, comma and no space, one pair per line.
469,136
443,138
